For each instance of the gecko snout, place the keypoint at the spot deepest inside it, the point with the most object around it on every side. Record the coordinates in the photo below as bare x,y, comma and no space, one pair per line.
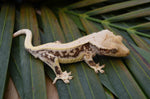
124,52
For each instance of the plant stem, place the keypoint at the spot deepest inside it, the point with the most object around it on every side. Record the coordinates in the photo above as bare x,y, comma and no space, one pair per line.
107,23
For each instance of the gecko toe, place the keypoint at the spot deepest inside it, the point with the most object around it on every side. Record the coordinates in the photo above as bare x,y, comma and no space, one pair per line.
98,68
102,66
102,71
69,73
70,77
56,78
66,81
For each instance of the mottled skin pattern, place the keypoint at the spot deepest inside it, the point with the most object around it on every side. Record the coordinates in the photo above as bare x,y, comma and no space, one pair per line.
83,49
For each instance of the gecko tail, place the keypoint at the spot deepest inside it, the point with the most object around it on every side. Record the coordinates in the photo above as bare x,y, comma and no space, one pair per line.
28,38
22,31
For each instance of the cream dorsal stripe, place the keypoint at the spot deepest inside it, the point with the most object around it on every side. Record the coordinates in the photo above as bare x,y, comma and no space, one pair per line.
83,49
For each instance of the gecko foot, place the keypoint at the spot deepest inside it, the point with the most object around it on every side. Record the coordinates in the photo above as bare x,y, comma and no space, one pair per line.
98,68
64,76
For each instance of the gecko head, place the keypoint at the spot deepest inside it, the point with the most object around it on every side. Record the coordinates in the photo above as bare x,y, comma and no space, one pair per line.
115,46
110,44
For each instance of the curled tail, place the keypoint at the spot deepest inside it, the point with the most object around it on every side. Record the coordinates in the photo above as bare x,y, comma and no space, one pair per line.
28,39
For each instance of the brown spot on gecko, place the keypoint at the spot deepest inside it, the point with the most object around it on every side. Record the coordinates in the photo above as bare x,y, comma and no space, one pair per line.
57,70
67,55
71,51
92,63
103,51
87,47
81,48
50,51
77,51
57,53
64,53
52,58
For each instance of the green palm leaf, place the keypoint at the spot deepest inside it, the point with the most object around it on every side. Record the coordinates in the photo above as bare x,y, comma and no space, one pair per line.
7,15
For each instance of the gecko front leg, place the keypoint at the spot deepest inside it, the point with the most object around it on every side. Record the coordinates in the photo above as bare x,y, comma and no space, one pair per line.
88,58
53,62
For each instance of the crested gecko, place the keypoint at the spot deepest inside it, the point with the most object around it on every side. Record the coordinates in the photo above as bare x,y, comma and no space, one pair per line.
83,49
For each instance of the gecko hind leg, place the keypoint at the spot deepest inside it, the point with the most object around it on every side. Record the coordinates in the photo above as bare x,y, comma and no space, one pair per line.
59,74
89,60
53,62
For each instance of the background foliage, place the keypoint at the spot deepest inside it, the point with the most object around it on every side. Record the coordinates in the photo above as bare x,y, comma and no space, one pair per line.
124,78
